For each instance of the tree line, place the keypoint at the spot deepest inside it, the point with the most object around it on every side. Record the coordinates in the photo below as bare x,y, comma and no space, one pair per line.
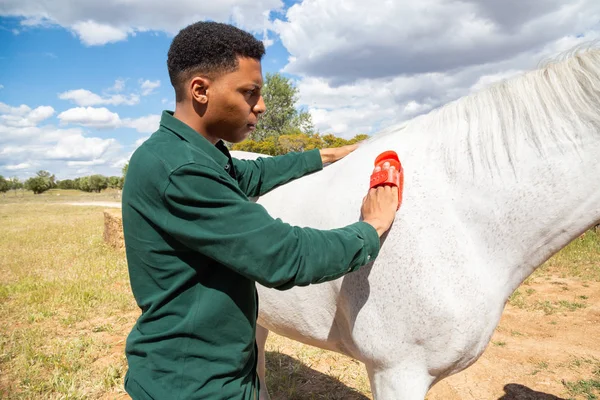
44,181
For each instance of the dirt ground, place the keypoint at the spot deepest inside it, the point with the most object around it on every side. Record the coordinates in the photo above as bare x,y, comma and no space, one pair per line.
534,351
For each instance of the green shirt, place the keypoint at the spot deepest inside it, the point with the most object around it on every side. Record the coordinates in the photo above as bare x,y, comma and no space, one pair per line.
195,248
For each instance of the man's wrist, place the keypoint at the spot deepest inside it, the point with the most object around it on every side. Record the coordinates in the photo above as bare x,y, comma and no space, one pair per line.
327,155
377,225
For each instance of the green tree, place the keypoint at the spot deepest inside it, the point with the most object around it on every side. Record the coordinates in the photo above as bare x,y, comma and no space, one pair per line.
330,140
83,183
4,185
37,184
113,182
67,184
41,182
295,140
15,184
266,146
124,171
281,116
358,138
98,183
48,177
298,142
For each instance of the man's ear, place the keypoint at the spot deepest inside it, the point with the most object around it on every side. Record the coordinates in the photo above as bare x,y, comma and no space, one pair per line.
199,89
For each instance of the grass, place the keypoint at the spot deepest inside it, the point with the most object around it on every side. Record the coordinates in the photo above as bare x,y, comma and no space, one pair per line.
518,300
57,196
66,308
540,366
579,259
588,389
62,293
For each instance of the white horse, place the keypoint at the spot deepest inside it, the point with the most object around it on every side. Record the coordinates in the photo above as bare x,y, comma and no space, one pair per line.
495,184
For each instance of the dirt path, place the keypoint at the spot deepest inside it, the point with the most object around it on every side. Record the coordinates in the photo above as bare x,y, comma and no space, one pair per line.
110,204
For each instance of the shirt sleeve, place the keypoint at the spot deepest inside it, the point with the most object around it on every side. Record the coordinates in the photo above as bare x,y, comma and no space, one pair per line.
257,177
209,214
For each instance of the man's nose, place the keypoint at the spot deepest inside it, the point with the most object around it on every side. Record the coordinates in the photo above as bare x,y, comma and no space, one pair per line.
260,107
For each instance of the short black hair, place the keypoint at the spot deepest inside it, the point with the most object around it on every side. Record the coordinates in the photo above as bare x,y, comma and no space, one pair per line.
210,48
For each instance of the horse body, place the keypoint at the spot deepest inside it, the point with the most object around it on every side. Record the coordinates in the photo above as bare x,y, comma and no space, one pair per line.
495,184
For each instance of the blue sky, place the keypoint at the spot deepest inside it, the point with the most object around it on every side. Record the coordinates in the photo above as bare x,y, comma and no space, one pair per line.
42,63
81,85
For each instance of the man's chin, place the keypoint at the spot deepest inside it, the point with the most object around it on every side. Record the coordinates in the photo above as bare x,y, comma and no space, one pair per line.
239,139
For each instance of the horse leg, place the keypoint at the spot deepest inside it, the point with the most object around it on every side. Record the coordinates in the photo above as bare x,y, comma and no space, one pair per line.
261,340
406,382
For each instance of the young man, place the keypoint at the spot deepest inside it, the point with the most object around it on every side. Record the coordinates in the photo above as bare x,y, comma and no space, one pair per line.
196,245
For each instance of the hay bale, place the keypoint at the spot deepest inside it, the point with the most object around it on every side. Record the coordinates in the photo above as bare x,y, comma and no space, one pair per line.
113,228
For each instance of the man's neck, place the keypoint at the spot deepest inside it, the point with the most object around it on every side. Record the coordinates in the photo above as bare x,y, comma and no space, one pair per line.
191,119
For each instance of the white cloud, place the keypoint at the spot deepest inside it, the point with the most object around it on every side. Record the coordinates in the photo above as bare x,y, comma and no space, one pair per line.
360,69
86,163
92,33
118,86
267,41
141,140
149,86
28,143
84,98
103,118
380,38
1,86
367,105
79,147
90,116
147,124
168,103
84,171
17,167
120,163
101,22
24,116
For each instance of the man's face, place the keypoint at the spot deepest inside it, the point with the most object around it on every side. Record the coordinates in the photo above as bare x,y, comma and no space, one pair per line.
235,102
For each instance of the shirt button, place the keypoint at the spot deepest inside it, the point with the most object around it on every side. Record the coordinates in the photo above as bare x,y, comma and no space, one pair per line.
227,167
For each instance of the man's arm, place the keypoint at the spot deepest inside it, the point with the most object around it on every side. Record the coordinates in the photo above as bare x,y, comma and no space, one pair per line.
257,177
209,214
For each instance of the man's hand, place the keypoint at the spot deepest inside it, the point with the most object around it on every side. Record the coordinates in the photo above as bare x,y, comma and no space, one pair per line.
336,153
379,207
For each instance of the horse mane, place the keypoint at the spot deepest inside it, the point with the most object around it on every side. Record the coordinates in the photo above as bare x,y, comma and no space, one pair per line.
556,105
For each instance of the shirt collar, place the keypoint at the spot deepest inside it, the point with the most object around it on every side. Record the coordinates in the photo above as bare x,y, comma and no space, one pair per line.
218,152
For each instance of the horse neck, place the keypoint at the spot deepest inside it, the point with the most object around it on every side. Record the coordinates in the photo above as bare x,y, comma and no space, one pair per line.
516,224
523,192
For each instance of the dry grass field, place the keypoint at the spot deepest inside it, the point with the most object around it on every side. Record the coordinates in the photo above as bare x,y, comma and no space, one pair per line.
66,308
